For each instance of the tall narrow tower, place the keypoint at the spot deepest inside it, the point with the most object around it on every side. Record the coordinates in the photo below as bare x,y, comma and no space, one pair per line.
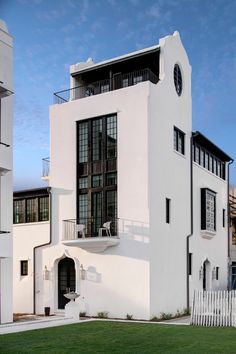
6,84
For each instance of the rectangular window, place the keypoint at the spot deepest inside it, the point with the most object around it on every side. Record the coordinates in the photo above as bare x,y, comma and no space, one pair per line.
97,139
125,82
19,211
23,268
97,184
43,208
137,79
31,210
190,256
105,88
168,210
206,161
217,273
111,137
202,158
83,142
179,141
208,210
223,215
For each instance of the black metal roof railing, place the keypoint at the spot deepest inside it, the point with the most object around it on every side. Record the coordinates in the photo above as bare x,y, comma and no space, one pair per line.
118,81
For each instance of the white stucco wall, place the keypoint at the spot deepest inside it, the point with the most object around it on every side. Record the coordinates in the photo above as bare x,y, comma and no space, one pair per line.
123,270
6,178
169,177
26,237
215,248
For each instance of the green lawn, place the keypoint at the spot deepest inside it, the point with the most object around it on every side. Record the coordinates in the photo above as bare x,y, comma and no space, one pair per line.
114,337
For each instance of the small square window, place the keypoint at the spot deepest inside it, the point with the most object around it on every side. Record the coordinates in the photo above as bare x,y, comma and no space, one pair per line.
23,268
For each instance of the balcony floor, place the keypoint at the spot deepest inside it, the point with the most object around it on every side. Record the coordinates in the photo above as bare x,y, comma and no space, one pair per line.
93,244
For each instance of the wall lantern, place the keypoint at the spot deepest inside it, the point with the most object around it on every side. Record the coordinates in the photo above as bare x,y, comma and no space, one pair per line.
201,273
46,274
82,272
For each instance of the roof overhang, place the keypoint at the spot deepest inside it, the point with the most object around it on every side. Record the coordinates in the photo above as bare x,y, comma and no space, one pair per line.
116,60
200,139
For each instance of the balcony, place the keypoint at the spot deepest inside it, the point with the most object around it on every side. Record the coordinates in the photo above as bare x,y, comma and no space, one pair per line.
93,239
117,81
45,168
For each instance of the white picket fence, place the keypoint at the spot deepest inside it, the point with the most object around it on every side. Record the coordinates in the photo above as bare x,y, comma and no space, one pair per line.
214,308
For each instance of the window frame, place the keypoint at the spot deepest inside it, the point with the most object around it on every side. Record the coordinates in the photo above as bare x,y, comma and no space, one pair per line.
24,267
206,214
179,136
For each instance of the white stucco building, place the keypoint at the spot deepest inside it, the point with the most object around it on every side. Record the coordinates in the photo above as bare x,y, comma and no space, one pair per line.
6,85
122,150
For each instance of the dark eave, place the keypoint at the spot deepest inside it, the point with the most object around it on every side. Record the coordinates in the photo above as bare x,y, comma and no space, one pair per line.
200,139
31,193
111,62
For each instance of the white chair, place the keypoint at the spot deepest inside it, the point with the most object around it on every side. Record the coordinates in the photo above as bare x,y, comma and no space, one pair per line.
80,230
106,227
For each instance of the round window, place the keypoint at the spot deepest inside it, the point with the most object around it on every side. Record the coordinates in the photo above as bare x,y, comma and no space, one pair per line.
178,79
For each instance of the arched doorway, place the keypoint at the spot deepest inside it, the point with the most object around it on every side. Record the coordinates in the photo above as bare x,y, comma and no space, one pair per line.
66,280
206,275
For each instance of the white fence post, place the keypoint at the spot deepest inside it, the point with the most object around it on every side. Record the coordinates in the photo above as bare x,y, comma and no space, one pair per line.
214,308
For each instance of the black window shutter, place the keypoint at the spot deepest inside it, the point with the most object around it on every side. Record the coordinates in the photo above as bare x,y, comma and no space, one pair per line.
203,209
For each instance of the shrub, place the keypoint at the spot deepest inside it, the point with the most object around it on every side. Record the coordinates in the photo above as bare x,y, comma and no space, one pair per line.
166,316
186,312
102,314
129,317
154,319
82,314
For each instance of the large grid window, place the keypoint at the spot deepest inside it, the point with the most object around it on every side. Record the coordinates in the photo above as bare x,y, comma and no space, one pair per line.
97,199
179,141
208,210
83,142
111,137
31,210
207,160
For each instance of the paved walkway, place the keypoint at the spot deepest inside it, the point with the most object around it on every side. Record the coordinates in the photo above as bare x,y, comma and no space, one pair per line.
60,320
43,322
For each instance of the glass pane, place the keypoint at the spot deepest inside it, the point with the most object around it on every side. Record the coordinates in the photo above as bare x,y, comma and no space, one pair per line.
111,137
96,181
175,140
105,88
19,211
83,182
97,140
83,142
32,210
111,179
97,211
111,210
43,208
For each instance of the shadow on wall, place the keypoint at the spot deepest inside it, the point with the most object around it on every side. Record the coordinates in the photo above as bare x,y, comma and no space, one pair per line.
135,239
92,275
57,193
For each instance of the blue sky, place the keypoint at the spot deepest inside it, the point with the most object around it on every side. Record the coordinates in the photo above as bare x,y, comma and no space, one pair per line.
50,35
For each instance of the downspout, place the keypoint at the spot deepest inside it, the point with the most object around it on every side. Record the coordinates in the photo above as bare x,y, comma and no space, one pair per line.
228,224
191,220
44,244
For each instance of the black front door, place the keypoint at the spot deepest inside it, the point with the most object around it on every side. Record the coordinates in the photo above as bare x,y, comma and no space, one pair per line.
66,280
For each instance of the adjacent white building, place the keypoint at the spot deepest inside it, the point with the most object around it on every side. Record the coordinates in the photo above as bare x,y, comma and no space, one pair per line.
123,151
6,85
